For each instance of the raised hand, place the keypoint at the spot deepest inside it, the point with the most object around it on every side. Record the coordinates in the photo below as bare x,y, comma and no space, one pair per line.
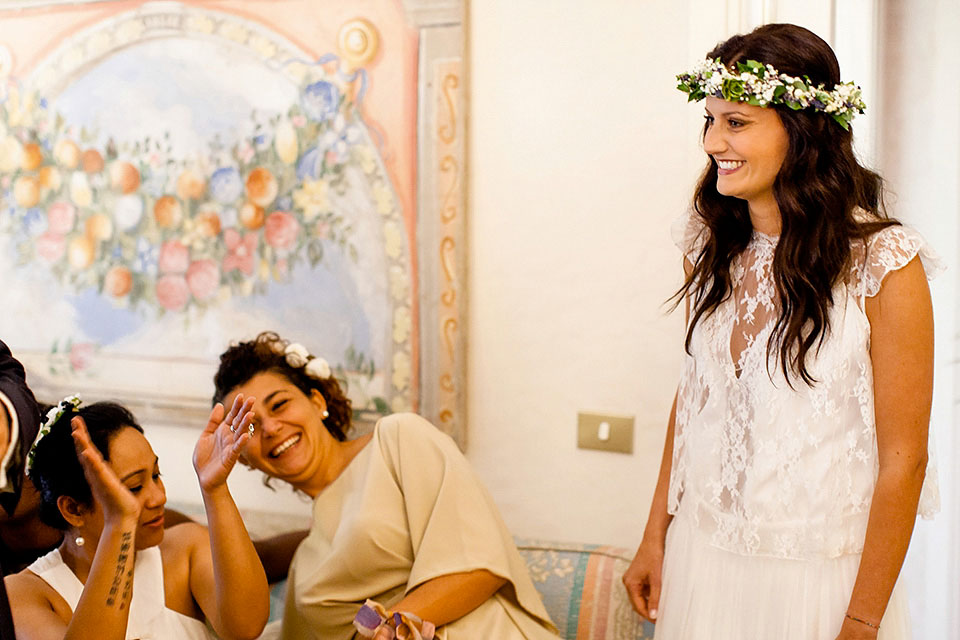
116,500
222,442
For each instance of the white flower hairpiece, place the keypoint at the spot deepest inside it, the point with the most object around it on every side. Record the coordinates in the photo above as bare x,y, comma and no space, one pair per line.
762,85
297,356
71,402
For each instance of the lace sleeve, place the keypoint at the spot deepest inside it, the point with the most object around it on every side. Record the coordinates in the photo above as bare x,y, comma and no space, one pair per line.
893,248
688,233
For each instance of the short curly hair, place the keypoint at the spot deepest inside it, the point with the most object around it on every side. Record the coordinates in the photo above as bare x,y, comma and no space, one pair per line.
244,360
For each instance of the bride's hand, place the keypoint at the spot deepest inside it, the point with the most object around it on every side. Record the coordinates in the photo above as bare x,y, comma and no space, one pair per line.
116,500
222,442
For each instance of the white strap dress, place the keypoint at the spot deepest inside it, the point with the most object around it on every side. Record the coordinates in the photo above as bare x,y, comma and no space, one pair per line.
150,619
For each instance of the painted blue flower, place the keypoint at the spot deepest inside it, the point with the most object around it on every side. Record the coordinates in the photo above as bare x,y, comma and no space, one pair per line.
320,101
35,221
263,141
225,185
309,165
146,258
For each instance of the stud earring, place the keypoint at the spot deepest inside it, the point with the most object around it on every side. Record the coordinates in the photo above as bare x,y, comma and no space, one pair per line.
80,541
325,414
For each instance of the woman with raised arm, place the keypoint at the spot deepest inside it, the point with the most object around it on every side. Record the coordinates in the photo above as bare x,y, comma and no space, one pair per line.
797,445
118,574
399,517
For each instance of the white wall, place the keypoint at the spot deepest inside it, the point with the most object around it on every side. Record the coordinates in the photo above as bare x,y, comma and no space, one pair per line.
580,149
919,154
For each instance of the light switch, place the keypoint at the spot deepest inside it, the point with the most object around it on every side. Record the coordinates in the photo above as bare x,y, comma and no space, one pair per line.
605,432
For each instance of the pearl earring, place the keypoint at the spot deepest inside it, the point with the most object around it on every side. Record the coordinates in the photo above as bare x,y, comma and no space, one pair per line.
80,541
325,414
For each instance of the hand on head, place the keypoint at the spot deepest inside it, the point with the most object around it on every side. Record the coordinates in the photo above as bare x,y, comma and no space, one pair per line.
117,501
222,442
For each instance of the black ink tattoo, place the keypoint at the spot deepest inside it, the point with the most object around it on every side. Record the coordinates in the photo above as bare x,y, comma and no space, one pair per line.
125,543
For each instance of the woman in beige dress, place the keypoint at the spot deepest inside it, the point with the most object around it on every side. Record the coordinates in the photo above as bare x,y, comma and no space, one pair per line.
398,515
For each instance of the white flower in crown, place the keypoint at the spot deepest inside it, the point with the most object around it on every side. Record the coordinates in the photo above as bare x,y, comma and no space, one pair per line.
762,85
296,354
318,368
72,402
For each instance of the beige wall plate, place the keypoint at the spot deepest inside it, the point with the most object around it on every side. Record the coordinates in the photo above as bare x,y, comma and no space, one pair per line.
605,432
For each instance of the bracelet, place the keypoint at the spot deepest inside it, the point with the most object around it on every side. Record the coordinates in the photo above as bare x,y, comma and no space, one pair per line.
862,621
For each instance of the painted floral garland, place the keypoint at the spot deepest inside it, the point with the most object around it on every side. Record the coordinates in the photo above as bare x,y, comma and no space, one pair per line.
147,229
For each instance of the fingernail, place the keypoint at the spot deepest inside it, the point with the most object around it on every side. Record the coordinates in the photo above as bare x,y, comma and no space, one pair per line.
653,613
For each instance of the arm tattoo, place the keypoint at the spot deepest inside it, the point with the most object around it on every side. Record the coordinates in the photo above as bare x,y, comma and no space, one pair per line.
125,544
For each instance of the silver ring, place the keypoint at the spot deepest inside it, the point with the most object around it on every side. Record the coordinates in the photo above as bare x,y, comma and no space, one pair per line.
233,428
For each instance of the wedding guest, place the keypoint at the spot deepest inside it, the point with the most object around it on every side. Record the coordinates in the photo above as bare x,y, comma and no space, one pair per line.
118,573
399,516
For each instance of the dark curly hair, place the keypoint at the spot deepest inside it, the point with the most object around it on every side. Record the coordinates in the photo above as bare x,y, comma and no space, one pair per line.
827,201
56,469
244,360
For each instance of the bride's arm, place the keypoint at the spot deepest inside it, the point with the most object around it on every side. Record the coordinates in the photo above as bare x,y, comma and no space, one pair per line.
226,577
901,335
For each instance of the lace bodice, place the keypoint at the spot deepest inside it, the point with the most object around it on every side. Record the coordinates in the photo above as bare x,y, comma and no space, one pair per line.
768,469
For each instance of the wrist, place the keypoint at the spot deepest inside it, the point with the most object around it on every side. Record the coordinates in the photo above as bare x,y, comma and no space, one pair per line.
215,492
655,534
120,522
861,627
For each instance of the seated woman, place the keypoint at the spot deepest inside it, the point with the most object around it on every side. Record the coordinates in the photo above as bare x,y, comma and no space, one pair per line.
399,517
118,573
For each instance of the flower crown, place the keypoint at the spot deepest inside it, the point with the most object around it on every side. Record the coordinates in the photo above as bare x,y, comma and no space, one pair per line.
70,403
762,85
297,356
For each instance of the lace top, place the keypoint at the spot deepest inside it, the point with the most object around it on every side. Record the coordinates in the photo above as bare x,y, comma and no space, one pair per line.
763,468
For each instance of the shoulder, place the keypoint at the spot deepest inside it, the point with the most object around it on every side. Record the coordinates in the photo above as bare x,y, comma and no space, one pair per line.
409,436
181,540
689,233
891,249
408,427
183,546
28,591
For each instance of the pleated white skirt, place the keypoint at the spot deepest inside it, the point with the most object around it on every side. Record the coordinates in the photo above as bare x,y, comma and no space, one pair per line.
712,594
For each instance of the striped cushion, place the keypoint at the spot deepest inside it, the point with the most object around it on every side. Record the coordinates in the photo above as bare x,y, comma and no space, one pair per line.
580,586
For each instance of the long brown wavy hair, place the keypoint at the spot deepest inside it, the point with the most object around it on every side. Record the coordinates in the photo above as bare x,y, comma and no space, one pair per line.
819,189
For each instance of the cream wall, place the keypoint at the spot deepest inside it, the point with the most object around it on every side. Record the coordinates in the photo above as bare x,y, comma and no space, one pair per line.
580,156
919,154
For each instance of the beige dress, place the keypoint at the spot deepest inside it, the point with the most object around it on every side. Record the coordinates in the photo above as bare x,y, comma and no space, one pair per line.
407,509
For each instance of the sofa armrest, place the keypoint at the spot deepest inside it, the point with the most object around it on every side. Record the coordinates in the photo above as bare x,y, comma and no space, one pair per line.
582,590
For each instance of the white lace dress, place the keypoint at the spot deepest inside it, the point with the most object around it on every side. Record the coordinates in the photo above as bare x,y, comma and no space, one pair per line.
771,485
